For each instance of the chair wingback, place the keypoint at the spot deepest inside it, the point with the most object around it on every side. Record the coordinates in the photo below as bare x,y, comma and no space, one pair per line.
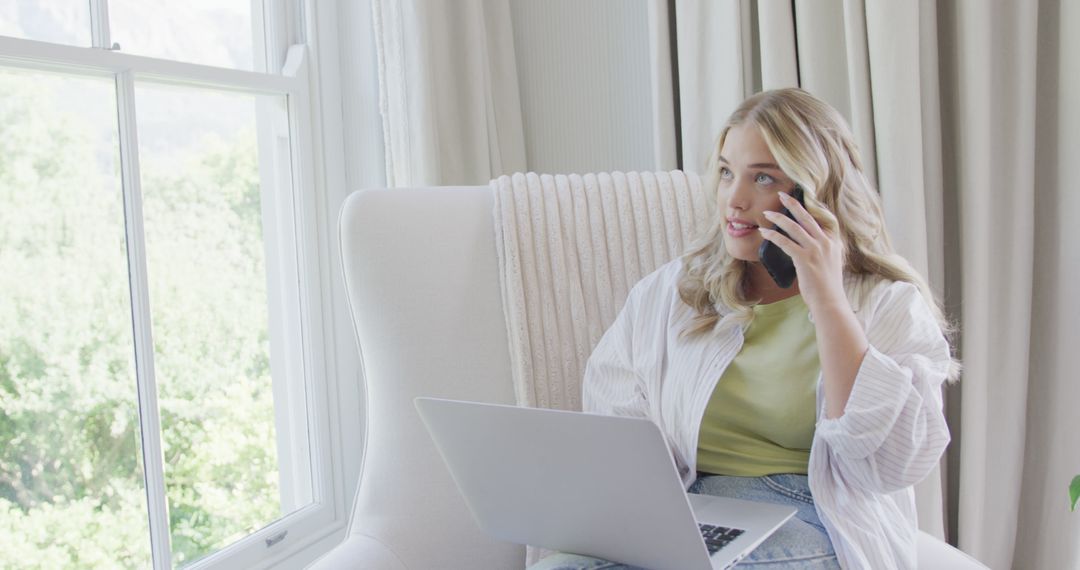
421,279
422,276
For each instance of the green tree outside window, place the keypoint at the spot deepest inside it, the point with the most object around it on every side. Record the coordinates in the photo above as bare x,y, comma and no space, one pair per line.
71,490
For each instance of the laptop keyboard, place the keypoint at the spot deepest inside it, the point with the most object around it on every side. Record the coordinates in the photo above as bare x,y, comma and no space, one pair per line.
717,537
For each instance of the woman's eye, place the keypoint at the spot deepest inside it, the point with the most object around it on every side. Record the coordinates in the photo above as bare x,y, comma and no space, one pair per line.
764,179
725,173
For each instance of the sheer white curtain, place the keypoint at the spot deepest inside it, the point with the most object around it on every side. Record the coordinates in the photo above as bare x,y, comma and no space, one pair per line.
448,91
961,110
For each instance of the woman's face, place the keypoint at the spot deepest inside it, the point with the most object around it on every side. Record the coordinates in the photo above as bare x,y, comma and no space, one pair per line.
750,184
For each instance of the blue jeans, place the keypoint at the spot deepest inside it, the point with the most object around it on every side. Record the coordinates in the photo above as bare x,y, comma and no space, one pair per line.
801,543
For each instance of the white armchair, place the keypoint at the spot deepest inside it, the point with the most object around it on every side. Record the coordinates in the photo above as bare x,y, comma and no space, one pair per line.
422,279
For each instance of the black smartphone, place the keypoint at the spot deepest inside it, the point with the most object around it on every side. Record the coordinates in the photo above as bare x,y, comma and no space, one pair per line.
774,259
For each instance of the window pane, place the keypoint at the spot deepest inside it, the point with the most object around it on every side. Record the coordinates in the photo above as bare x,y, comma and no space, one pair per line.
207,181
57,21
210,32
71,486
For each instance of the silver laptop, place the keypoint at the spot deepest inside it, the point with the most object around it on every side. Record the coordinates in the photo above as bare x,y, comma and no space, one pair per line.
601,486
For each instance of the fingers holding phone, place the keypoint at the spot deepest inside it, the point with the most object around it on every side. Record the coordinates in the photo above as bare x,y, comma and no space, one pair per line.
772,255
797,246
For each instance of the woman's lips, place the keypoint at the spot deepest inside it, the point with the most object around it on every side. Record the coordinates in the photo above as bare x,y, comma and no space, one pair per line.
740,229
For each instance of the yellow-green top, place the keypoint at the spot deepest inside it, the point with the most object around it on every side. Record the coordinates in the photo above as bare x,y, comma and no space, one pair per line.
760,419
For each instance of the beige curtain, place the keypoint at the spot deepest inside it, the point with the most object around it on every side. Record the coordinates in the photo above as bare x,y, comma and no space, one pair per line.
1010,84
665,146
714,71
962,111
448,91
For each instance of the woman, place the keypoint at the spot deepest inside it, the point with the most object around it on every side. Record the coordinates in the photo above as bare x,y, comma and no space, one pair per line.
826,395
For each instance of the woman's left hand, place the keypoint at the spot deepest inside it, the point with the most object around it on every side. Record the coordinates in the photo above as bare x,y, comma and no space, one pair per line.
818,256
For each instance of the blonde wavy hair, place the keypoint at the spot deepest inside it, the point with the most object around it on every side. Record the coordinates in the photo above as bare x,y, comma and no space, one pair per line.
813,145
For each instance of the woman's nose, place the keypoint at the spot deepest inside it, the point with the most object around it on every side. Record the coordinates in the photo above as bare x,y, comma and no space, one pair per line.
739,196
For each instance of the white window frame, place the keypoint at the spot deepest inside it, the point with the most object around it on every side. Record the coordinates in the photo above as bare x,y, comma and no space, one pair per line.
292,538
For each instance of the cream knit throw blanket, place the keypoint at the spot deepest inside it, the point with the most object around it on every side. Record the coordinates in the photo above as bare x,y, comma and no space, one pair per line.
570,249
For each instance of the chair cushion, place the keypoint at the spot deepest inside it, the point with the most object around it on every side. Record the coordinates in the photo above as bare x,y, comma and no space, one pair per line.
937,555
358,551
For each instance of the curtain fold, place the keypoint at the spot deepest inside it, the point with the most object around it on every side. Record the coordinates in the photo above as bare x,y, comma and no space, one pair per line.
1012,83
833,64
779,59
1048,534
994,124
665,148
448,91
715,71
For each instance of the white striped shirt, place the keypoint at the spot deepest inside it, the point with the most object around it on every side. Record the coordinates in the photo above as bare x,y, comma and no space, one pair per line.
862,464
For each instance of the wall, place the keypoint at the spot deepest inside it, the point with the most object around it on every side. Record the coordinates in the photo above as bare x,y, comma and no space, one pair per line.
583,70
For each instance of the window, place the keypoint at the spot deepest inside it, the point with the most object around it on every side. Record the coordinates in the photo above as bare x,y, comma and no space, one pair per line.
158,322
